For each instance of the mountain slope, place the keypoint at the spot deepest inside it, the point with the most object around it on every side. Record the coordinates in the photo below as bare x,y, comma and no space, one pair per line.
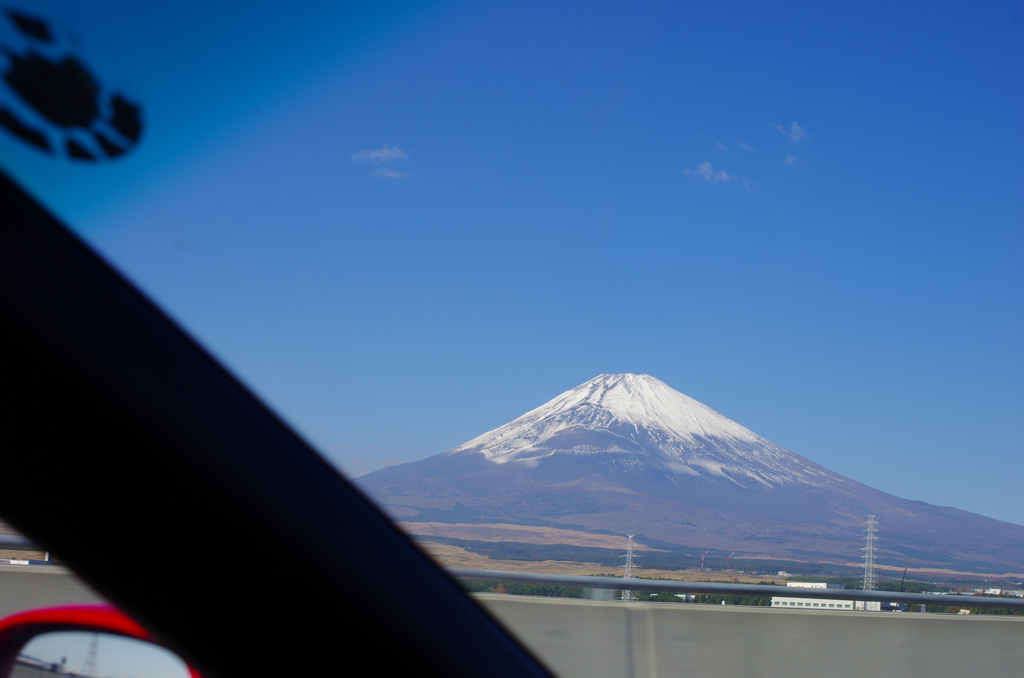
627,453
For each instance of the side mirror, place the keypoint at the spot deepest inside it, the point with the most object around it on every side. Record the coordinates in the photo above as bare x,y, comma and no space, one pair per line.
83,642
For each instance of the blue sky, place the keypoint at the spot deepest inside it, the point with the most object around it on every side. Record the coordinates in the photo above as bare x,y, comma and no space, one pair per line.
406,225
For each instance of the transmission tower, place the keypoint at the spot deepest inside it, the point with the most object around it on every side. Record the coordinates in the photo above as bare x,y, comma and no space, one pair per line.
869,556
89,666
627,569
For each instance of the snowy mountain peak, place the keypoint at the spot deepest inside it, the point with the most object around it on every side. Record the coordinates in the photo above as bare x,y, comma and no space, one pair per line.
644,401
634,421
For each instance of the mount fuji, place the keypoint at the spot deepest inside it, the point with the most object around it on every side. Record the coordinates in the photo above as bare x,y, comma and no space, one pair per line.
628,454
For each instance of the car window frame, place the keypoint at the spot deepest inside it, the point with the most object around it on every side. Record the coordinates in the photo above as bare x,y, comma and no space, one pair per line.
162,481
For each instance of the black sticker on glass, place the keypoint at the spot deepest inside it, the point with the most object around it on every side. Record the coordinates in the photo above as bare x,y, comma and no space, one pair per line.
50,99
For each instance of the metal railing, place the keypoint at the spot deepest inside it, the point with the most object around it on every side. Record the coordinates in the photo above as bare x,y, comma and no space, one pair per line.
14,542
716,588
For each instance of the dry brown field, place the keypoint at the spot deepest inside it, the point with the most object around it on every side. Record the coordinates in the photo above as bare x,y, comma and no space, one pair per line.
22,555
527,534
456,556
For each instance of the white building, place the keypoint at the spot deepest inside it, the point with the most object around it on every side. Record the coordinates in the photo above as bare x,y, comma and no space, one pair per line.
791,603
869,605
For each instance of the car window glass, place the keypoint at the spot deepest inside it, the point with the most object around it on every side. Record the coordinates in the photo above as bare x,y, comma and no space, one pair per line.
405,225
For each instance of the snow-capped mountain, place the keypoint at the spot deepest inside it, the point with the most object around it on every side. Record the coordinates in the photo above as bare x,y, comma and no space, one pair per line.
628,454
642,423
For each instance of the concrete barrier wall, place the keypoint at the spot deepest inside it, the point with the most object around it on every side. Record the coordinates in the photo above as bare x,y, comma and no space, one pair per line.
594,639
24,587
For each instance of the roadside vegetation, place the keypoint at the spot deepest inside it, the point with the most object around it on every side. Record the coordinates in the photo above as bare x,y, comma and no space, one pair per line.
517,589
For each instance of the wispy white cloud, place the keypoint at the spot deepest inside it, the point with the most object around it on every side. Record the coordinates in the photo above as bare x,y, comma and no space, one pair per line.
790,160
744,145
383,154
721,146
708,173
795,132
387,173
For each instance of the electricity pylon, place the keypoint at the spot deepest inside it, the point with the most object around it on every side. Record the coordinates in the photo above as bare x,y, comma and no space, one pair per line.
628,569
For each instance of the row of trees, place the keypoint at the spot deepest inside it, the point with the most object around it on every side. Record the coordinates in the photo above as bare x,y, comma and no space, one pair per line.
517,589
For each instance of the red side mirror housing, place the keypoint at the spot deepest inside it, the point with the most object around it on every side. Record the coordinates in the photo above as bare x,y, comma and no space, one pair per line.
18,630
